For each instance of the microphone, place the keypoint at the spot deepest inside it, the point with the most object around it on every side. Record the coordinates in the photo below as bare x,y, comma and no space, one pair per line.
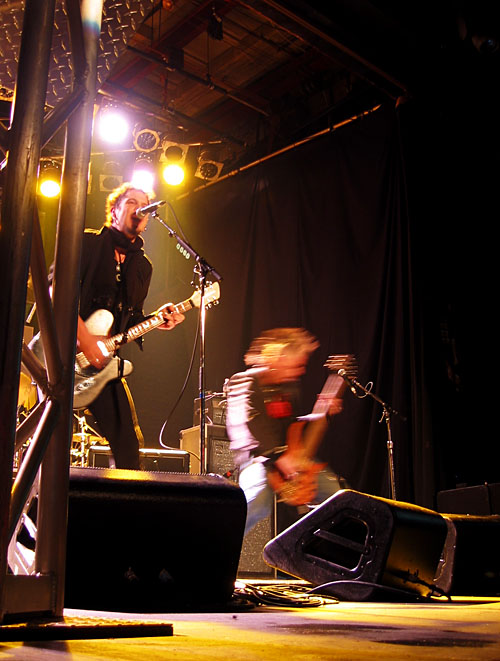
341,372
149,208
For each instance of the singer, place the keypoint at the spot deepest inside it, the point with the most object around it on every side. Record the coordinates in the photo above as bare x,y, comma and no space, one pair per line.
268,442
115,276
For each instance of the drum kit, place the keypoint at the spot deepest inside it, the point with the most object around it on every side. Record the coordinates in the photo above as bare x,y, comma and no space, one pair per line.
84,436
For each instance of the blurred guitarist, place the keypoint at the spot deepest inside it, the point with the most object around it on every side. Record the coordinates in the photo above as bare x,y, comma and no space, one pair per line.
115,276
264,432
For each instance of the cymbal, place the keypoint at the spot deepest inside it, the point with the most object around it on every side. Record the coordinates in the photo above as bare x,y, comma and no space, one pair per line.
27,392
91,440
97,440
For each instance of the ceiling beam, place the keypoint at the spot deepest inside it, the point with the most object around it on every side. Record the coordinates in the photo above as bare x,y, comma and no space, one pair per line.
319,31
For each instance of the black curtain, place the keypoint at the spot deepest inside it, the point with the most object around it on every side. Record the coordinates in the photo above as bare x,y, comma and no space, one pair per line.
378,238
316,237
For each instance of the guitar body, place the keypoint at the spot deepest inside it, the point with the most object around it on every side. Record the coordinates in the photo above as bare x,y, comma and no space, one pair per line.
294,477
302,488
89,382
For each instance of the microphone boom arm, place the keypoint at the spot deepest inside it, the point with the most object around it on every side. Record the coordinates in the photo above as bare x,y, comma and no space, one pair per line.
354,385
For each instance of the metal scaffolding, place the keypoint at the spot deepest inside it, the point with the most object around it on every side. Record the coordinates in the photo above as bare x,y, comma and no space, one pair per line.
49,424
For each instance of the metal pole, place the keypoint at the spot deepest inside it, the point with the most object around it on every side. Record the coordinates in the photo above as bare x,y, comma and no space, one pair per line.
51,546
17,214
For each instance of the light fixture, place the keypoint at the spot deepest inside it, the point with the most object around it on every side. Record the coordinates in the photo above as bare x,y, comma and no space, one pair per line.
214,27
146,140
208,168
113,126
49,178
172,158
110,177
143,176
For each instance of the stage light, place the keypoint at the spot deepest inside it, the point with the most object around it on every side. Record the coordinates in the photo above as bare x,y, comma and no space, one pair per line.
146,140
143,176
173,174
208,168
173,157
49,178
113,126
110,177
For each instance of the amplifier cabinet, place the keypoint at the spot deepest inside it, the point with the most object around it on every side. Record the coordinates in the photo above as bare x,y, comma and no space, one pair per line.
215,409
219,456
152,459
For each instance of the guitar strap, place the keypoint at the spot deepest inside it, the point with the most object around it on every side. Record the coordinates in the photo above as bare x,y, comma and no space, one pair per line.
135,420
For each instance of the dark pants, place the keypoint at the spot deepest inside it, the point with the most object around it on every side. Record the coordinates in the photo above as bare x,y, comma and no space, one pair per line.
114,418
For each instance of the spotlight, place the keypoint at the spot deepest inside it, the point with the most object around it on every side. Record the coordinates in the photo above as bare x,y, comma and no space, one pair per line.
173,174
49,178
208,168
112,125
111,177
146,140
173,156
143,176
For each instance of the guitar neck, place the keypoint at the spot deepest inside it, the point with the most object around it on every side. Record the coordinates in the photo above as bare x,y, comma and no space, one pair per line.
334,387
135,332
111,344
318,422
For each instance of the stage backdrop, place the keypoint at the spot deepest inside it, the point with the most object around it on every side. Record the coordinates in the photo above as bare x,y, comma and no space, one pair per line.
316,237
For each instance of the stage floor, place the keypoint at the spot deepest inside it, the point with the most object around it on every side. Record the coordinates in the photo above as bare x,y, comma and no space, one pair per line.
465,628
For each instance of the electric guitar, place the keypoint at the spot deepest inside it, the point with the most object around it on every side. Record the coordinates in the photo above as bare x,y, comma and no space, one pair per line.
305,435
89,381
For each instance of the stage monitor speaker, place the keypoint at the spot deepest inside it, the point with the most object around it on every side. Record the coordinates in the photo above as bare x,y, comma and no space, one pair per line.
470,563
362,547
479,500
152,542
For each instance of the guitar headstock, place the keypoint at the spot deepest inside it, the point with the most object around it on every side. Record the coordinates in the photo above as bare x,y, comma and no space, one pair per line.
212,295
345,362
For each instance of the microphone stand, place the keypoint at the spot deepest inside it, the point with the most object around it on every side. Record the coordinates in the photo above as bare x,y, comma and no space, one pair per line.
387,411
201,269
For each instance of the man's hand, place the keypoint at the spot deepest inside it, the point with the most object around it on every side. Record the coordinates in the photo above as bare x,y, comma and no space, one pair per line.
296,483
171,318
334,404
92,346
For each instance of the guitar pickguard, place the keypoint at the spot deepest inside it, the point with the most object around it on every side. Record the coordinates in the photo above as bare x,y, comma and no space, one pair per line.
89,382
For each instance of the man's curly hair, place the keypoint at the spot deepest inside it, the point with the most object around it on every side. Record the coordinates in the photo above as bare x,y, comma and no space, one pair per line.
116,196
271,344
